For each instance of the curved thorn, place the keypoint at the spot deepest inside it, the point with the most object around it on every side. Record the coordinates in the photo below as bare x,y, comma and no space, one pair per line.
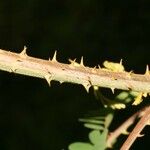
87,87
48,78
23,53
140,135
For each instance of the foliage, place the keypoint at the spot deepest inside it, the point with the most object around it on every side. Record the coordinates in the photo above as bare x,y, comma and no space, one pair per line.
97,141
99,124
99,131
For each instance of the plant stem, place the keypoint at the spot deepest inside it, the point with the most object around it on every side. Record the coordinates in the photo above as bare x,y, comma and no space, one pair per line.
73,73
123,128
137,130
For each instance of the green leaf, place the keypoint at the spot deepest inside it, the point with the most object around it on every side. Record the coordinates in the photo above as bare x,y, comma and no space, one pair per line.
94,126
123,95
94,121
80,146
95,136
98,139
108,119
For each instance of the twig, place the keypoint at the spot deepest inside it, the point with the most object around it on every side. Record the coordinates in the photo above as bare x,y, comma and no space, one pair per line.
123,128
137,130
74,72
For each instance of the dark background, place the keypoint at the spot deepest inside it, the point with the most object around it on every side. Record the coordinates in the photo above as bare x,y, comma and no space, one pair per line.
35,116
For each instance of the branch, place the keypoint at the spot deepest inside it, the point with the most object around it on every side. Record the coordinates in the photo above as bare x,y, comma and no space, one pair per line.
123,128
137,130
74,72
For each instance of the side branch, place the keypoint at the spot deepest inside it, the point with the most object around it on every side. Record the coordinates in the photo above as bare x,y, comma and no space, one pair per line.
137,129
124,127
74,72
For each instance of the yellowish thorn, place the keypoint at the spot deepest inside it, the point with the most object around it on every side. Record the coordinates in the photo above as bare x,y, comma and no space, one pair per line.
99,67
129,74
54,57
87,87
140,135
74,63
61,82
23,53
120,62
48,78
145,94
81,62
113,90
147,72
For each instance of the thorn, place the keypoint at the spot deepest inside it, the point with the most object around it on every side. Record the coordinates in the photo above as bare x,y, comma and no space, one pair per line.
54,57
147,72
61,82
129,74
120,62
81,62
74,63
140,135
23,53
113,90
145,94
87,87
99,67
48,78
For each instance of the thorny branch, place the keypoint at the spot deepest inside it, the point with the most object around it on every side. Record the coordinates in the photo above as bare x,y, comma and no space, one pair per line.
78,73
74,72
137,129
123,128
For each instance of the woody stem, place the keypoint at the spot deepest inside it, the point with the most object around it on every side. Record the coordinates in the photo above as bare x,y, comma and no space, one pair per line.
79,74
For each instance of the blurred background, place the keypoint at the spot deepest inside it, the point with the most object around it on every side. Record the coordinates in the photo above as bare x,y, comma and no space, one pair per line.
35,116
